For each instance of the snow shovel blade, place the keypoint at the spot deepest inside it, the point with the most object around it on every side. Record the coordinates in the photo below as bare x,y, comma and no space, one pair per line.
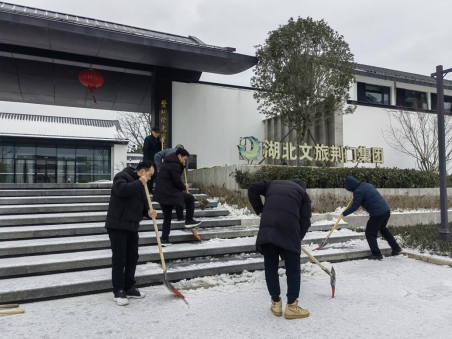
195,234
171,288
333,281
203,203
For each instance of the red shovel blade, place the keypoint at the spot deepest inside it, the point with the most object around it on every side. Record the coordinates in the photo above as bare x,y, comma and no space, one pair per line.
196,235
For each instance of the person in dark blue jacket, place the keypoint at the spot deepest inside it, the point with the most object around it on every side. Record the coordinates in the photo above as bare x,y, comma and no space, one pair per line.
367,196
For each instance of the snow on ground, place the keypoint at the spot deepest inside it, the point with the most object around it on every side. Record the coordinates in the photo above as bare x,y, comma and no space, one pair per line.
395,298
360,211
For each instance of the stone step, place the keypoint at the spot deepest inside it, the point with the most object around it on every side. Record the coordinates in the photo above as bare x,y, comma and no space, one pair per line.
64,230
62,192
44,264
64,199
72,207
82,243
67,284
37,186
59,218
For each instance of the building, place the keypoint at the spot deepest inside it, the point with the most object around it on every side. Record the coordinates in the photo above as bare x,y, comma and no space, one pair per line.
376,93
42,56
47,149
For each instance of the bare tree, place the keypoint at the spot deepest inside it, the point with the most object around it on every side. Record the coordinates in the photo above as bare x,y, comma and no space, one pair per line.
135,127
415,133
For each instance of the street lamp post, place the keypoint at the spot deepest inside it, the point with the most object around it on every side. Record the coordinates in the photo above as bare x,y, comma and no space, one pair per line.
444,232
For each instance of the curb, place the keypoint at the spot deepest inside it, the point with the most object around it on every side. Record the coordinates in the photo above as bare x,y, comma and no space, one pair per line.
430,260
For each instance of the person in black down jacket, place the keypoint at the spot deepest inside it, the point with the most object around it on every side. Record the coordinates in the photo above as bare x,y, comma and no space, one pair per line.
285,219
151,146
170,191
367,196
128,205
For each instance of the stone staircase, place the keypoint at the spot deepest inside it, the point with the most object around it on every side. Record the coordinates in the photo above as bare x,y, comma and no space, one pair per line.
53,243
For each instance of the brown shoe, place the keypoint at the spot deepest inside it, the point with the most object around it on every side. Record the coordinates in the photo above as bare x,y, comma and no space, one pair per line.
276,307
293,311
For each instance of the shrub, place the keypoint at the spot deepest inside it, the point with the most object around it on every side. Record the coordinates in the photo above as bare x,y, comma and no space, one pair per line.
327,177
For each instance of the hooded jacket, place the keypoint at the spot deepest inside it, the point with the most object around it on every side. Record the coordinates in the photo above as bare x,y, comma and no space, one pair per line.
365,195
286,214
128,204
169,186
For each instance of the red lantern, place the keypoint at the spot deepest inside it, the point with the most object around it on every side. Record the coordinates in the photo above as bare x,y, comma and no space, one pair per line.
91,79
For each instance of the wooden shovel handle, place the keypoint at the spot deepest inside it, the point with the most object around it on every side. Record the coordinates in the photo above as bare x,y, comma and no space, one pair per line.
14,311
156,229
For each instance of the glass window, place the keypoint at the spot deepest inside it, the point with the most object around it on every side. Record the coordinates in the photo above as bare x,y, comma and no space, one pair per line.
374,94
6,163
66,165
447,102
25,161
411,99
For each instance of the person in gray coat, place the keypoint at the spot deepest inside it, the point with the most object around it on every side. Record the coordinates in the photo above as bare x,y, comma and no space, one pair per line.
367,196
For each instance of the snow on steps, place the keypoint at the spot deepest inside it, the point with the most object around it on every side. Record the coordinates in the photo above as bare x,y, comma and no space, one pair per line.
90,281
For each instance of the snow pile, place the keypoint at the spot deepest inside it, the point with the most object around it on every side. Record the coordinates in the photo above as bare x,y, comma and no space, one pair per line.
235,212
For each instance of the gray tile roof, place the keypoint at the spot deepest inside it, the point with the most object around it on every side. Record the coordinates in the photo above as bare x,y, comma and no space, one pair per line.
103,25
13,124
393,75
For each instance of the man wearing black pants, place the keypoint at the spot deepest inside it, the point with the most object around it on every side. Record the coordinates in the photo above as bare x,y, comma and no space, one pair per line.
169,192
152,144
285,219
367,196
128,204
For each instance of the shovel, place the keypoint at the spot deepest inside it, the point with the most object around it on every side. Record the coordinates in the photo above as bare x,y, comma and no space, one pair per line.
166,282
322,245
202,203
332,274
195,234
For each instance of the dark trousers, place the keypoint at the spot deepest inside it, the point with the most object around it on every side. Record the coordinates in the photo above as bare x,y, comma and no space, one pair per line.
375,224
271,261
124,247
180,211
151,182
168,213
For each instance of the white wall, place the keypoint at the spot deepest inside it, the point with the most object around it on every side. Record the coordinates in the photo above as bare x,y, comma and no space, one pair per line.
118,159
365,128
209,121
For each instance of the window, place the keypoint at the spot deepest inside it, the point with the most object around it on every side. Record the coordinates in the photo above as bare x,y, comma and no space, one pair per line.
25,162
6,163
447,102
374,94
38,163
411,99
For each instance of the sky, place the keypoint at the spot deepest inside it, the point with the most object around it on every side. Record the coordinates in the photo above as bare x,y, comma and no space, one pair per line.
406,35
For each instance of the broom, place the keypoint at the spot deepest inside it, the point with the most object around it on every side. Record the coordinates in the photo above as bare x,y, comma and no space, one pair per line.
203,202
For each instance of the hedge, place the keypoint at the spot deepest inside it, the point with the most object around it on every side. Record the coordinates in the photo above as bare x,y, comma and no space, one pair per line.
330,177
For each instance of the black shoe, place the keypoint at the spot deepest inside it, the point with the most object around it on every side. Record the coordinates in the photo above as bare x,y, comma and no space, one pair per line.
397,251
165,242
180,219
192,223
120,298
134,293
375,257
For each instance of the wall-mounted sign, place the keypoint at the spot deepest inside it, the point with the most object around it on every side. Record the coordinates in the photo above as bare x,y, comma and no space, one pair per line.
250,149
163,119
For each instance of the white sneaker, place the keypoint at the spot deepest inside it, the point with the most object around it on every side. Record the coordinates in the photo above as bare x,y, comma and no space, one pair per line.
120,298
